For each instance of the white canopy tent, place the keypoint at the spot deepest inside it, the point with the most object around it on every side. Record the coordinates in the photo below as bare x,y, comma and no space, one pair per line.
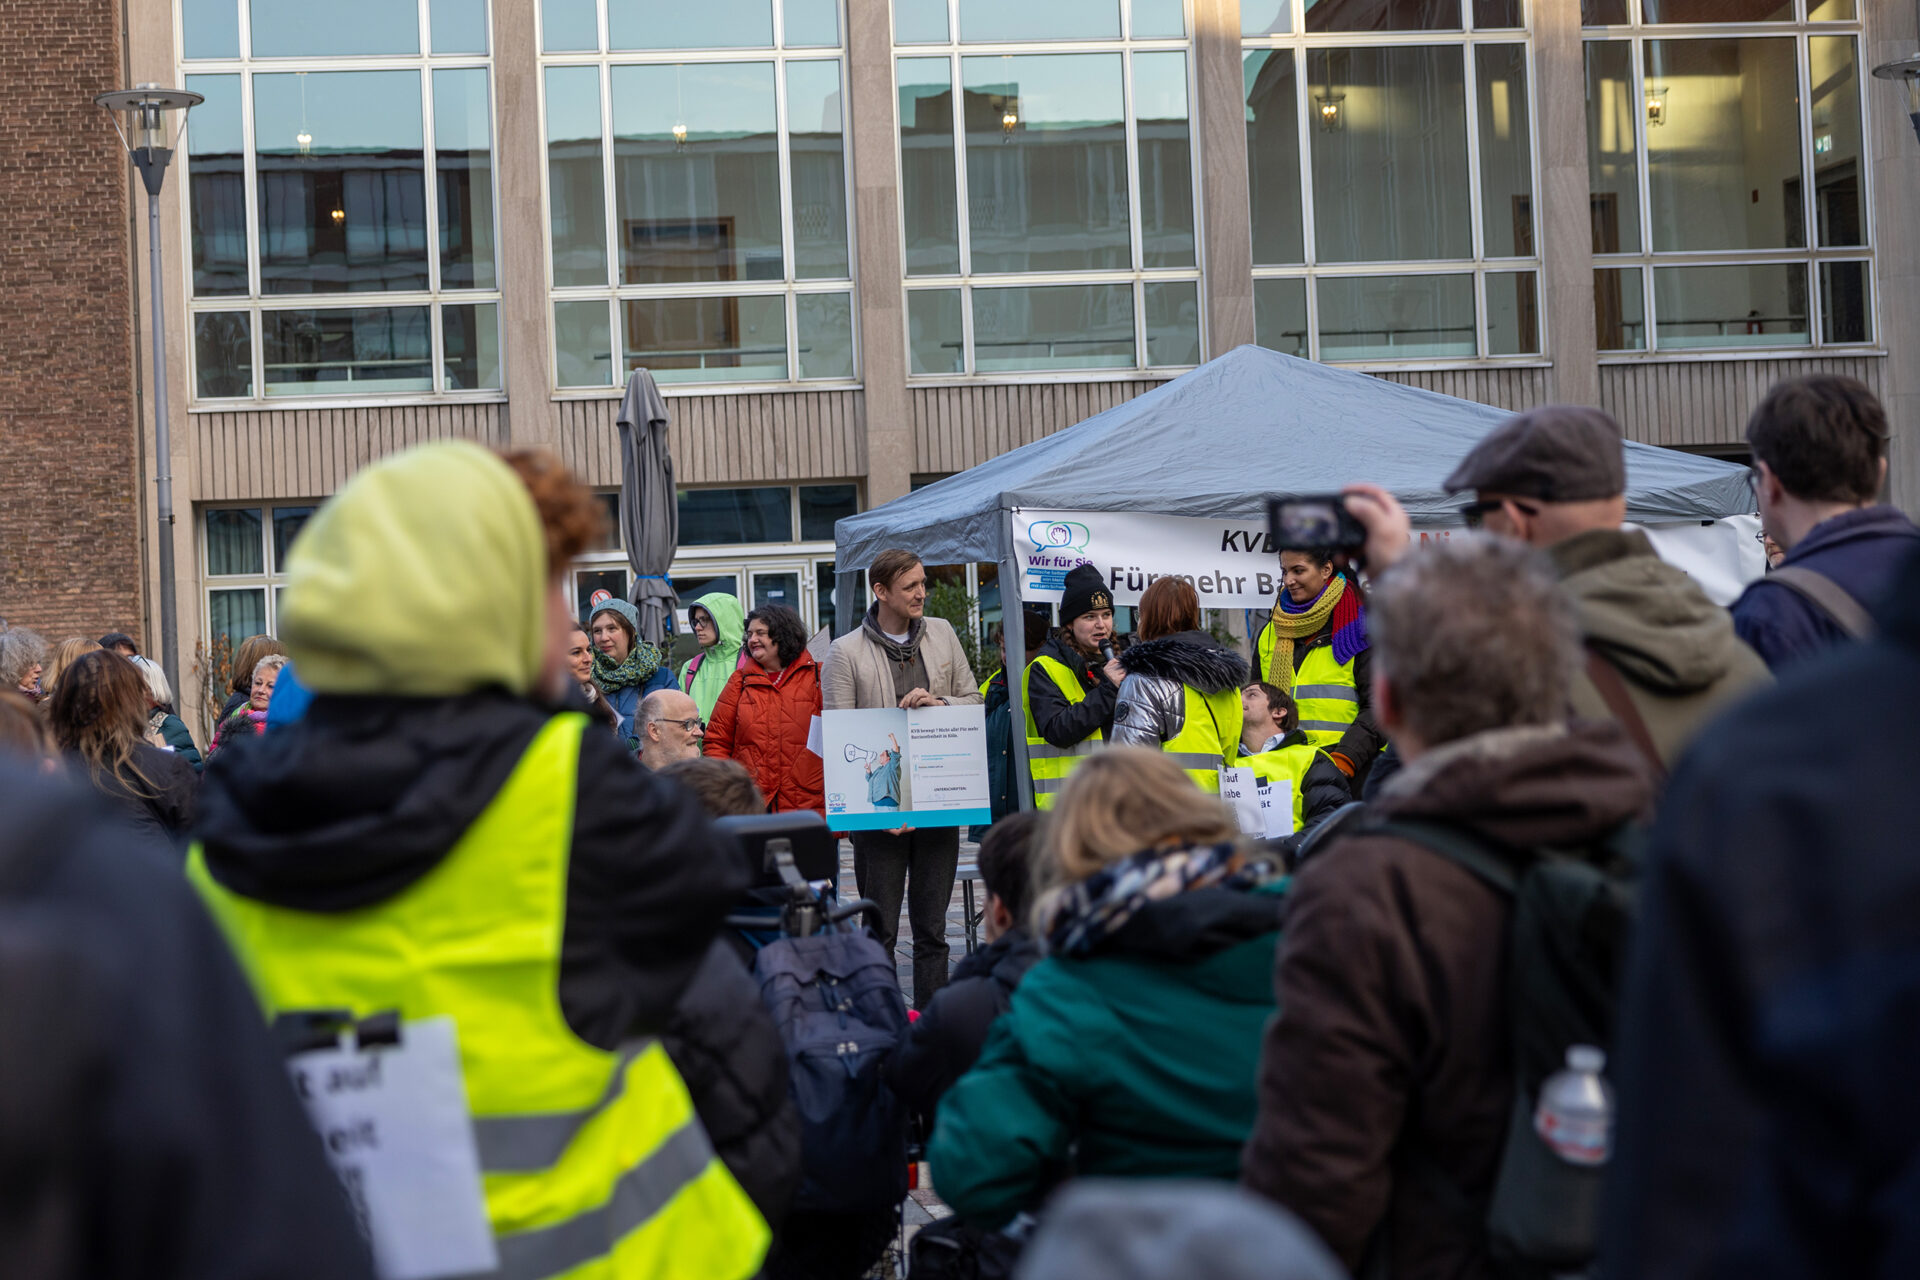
1176,481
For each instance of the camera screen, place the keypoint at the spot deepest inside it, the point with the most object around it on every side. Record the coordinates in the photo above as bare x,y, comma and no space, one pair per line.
1311,524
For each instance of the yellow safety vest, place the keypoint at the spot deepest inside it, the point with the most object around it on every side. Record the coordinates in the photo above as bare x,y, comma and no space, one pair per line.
1047,764
1329,699
593,1163
1289,764
1209,736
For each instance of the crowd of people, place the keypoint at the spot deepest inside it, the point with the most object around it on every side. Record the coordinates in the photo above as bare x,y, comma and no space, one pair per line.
1546,796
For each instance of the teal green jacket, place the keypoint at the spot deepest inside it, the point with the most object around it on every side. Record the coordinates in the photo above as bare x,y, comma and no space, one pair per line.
1137,1061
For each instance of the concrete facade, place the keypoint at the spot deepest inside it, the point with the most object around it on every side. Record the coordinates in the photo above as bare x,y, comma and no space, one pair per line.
79,572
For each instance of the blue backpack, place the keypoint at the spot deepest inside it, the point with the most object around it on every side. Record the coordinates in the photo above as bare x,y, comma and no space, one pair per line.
836,1000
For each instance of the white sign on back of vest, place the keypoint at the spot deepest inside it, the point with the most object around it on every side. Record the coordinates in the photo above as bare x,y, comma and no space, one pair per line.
395,1126
1264,810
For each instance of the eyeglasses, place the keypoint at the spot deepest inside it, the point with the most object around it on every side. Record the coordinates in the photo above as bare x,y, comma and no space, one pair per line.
1475,513
695,725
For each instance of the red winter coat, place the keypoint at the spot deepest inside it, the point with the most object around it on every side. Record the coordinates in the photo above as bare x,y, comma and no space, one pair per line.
762,721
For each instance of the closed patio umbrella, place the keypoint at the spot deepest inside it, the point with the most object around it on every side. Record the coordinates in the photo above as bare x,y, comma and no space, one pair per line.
649,512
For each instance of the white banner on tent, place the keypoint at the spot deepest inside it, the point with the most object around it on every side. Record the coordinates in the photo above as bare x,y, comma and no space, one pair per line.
1232,565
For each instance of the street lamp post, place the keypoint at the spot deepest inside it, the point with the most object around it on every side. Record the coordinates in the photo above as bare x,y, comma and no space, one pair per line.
148,138
1908,70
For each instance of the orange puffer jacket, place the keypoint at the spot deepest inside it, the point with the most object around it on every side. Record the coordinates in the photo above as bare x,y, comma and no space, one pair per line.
762,721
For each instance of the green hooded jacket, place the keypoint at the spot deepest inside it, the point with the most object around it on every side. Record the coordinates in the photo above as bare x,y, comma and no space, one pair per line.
1139,1061
705,675
1676,650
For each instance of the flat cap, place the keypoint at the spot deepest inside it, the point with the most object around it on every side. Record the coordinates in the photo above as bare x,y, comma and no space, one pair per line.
1556,453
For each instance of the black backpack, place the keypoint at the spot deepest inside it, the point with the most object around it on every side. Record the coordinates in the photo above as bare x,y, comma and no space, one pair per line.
1572,912
836,1000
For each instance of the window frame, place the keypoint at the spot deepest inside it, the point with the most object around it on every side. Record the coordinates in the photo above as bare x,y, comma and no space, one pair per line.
271,579
613,293
1136,276
254,304
806,555
1800,29
1300,44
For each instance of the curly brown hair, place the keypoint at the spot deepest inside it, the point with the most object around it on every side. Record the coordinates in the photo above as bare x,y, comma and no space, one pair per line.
571,517
99,713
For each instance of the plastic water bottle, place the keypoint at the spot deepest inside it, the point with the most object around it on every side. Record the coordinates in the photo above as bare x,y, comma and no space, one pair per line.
1575,1113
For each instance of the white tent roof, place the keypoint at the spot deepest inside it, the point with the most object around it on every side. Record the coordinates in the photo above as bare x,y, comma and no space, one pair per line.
1217,442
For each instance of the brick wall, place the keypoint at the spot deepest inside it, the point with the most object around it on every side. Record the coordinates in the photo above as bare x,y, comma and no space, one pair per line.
69,488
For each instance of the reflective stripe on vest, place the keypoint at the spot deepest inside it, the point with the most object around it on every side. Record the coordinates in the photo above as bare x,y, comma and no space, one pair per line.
1288,763
1325,690
590,1159
1209,736
1047,764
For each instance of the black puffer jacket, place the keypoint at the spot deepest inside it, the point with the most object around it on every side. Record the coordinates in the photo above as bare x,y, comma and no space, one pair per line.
729,1052
1063,723
952,1029
355,802
1151,706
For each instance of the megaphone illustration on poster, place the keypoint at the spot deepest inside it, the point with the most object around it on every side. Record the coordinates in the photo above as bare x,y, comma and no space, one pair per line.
857,754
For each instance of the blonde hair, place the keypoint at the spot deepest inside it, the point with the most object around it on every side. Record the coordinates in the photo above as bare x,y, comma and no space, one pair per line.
64,655
1115,804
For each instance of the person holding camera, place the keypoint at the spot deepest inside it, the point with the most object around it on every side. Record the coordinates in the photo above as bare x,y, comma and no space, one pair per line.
1071,686
1657,655
1314,649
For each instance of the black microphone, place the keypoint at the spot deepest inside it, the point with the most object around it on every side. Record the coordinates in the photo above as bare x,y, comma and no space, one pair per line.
1106,650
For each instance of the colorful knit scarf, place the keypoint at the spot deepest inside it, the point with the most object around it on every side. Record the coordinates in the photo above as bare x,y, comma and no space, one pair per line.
1086,914
639,667
1292,622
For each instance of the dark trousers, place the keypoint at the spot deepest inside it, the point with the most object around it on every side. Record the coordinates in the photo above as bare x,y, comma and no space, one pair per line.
918,866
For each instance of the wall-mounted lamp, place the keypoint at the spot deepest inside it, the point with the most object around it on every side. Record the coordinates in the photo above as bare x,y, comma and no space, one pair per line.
1009,121
1332,117
679,135
1656,105
339,216
1906,69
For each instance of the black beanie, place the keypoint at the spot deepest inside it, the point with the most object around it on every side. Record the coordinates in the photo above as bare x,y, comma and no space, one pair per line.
1086,591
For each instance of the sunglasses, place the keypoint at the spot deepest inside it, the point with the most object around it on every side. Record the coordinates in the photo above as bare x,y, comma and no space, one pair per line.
1475,513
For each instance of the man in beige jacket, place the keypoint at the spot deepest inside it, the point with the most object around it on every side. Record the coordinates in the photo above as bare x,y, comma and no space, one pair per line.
899,657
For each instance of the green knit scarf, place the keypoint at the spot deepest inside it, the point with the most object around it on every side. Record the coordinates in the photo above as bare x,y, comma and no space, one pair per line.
639,667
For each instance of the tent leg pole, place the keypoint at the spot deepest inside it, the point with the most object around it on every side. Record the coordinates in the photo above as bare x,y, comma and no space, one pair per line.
1013,626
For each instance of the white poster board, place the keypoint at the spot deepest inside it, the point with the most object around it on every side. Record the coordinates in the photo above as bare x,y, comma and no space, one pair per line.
394,1123
889,768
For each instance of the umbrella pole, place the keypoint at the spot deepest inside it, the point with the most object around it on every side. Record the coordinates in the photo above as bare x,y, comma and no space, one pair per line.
1012,628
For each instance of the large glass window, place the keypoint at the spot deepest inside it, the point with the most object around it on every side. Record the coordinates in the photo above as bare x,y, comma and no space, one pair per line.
1391,182
697,192
1074,169
313,185
1727,175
